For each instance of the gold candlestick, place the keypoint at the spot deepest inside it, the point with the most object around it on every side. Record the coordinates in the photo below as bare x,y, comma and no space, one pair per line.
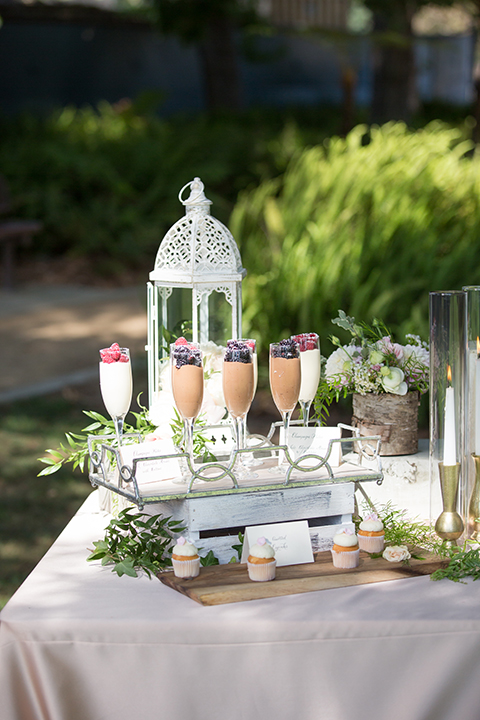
449,525
474,504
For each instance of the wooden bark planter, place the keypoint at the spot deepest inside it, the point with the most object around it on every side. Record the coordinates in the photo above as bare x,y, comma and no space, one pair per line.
393,417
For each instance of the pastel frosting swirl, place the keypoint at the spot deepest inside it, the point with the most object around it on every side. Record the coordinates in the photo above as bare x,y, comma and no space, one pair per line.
184,547
372,523
262,549
345,538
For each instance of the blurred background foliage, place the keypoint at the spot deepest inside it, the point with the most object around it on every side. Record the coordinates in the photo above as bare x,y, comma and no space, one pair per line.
369,223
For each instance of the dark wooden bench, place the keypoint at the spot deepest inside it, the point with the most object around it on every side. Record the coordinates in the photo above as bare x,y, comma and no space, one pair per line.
12,233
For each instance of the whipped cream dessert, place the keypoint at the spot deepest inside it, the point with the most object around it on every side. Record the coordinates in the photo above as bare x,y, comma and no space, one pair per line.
309,346
116,383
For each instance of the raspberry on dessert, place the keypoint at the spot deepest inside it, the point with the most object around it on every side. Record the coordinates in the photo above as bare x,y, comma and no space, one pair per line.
181,341
123,358
107,358
115,351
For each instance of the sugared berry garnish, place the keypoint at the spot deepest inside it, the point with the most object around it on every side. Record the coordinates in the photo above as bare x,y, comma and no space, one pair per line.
237,352
186,354
113,354
306,341
287,349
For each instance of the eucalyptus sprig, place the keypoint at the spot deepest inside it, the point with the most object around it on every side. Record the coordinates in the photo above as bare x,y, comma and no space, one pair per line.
137,541
464,563
76,449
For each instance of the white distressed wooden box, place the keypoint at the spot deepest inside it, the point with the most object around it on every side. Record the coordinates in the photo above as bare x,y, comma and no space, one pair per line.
214,521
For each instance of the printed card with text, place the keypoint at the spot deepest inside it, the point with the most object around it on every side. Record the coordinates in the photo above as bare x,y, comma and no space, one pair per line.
290,540
153,470
313,440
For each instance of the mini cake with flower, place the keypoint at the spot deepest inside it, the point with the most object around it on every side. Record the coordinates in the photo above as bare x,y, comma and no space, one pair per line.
345,550
261,561
371,534
185,559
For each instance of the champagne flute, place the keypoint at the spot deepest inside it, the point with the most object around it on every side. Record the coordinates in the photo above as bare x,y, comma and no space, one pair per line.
285,379
238,388
116,384
309,345
249,460
187,386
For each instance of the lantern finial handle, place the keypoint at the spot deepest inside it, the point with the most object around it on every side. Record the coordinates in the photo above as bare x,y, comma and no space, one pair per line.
197,196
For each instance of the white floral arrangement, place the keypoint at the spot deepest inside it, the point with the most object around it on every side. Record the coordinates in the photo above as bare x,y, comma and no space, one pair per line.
162,412
373,363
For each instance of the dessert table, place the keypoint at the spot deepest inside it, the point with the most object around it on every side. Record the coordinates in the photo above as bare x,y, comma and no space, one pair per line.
79,643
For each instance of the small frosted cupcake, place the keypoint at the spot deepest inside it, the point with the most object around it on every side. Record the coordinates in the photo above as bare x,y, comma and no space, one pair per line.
345,550
185,559
261,561
371,535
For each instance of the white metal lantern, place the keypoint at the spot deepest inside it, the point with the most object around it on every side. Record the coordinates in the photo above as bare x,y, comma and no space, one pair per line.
197,279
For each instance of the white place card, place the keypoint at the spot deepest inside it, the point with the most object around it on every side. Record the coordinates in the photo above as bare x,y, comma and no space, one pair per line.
290,540
313,440
150,471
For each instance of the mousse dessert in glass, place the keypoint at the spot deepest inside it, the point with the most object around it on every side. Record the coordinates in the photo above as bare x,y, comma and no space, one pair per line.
116,384
249,460
309,345
285,380
187,386
238,385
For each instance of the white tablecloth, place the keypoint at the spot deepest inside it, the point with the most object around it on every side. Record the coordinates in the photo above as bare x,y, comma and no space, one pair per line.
79,643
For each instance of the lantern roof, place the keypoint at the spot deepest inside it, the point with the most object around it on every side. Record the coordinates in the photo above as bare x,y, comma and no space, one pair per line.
198,248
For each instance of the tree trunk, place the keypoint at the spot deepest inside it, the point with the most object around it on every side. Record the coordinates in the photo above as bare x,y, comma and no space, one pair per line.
218,55
395,96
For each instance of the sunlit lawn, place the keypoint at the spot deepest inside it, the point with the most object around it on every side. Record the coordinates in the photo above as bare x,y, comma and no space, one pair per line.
34,510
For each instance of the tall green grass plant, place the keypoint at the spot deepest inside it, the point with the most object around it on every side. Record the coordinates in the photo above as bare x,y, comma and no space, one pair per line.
371,223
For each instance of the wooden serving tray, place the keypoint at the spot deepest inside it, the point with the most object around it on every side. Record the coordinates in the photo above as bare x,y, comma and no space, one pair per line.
222,584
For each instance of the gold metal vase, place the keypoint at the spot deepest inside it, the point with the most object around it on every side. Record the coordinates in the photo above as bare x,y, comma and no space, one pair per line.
449,525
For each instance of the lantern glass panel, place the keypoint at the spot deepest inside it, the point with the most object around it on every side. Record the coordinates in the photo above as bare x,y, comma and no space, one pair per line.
214,319
176,314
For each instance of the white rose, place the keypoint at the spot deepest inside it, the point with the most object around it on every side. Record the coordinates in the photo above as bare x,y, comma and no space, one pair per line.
396,553
338,365
392,381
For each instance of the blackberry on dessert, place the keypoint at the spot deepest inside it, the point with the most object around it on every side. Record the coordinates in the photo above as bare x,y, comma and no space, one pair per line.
237,352
287,349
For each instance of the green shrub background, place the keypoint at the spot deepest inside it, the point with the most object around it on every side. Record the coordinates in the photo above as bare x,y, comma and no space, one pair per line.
369,223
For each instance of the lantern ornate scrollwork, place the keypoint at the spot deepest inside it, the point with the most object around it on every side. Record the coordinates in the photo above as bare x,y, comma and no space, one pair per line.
196,282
